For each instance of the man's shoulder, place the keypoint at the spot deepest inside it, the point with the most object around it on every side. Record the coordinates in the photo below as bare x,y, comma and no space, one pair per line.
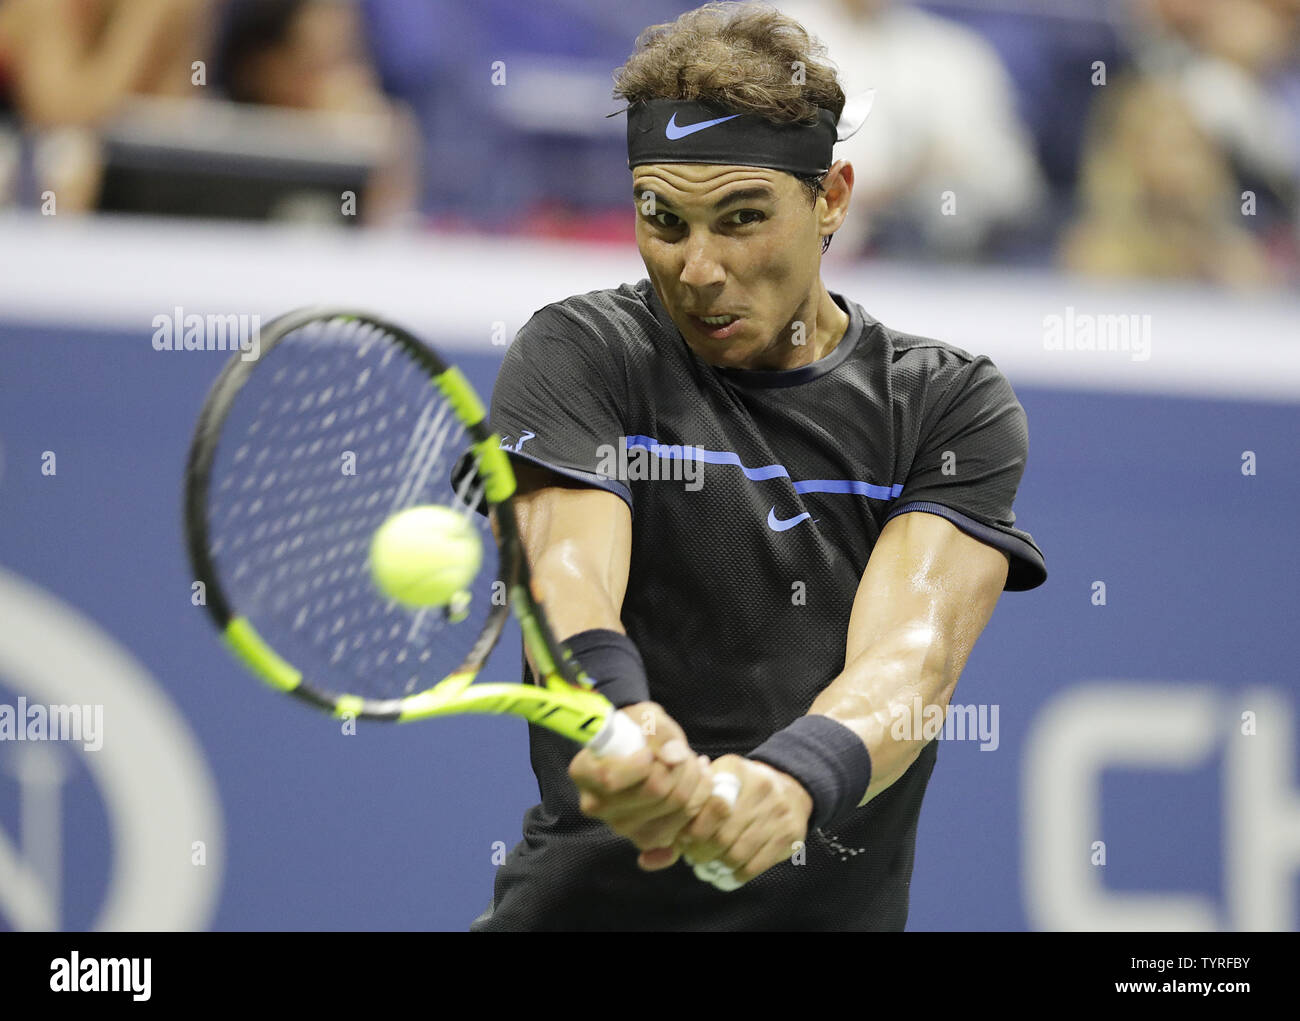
909,352
923,369
610,315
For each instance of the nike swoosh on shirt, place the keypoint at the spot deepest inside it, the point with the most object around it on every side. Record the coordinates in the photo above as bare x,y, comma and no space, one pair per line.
780,525
674,131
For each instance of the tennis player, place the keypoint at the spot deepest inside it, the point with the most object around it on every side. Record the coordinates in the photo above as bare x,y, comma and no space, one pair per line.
838,544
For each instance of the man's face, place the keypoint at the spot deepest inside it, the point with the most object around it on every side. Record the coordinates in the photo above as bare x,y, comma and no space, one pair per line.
741,242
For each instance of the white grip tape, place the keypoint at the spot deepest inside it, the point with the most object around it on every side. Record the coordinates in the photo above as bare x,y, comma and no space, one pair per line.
619,736
726,786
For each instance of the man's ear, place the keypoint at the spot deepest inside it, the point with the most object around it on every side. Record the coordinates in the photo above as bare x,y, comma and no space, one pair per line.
838,190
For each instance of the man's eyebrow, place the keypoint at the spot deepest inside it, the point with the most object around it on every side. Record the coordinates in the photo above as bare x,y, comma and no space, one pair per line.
761,192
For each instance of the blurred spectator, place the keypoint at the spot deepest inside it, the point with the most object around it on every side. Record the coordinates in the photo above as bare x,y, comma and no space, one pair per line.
66,66
1236,65
1158,197
1231,59
1048,50
310,55
944,120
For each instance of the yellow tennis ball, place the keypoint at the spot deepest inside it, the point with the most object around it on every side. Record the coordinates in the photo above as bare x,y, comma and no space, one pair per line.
423,556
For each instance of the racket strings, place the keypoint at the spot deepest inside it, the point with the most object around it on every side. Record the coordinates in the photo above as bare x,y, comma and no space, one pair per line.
335,430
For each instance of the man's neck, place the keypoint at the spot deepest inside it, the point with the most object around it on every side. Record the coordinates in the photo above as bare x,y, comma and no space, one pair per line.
816,338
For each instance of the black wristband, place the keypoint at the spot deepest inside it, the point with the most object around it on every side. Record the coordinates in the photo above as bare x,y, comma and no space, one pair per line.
825,756
612,661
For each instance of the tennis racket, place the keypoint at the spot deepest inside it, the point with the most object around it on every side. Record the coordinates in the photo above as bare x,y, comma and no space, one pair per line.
298,456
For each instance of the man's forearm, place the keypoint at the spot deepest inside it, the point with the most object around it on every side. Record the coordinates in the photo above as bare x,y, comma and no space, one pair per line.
575,596
578,544
882,682
573,604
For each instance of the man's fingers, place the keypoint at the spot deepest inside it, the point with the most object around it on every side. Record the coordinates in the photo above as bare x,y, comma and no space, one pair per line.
662,829
776,850
703,789
690,793
658,858
746,845
722,845
673,752
657,805
640,800
706,837
606,776
665,744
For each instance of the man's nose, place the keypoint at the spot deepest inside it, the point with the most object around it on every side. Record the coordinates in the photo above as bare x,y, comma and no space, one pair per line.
701,268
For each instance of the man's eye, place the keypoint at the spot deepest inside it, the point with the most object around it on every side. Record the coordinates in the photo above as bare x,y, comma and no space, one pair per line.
744,217
659,219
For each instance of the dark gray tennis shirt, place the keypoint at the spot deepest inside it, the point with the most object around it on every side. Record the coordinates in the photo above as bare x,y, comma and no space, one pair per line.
756,497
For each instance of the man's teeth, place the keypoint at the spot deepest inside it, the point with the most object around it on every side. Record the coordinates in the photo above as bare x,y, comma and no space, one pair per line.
718,320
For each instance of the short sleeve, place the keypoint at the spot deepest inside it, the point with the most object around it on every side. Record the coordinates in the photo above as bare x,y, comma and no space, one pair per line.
560,399
973,447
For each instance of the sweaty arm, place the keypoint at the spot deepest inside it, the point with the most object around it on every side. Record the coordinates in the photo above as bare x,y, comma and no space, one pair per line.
925,596
927,593
579,543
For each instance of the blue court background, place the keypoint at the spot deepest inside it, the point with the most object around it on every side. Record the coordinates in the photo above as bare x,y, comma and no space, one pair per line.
394,827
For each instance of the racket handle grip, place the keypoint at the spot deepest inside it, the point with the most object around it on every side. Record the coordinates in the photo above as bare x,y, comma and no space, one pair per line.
621,736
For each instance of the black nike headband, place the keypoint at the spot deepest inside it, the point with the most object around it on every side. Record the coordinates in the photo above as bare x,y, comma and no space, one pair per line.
685,131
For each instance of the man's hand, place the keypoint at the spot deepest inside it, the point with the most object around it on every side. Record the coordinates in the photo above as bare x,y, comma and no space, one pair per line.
651,795
764,828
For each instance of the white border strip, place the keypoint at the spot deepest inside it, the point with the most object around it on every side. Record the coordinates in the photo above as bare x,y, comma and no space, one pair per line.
118,273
